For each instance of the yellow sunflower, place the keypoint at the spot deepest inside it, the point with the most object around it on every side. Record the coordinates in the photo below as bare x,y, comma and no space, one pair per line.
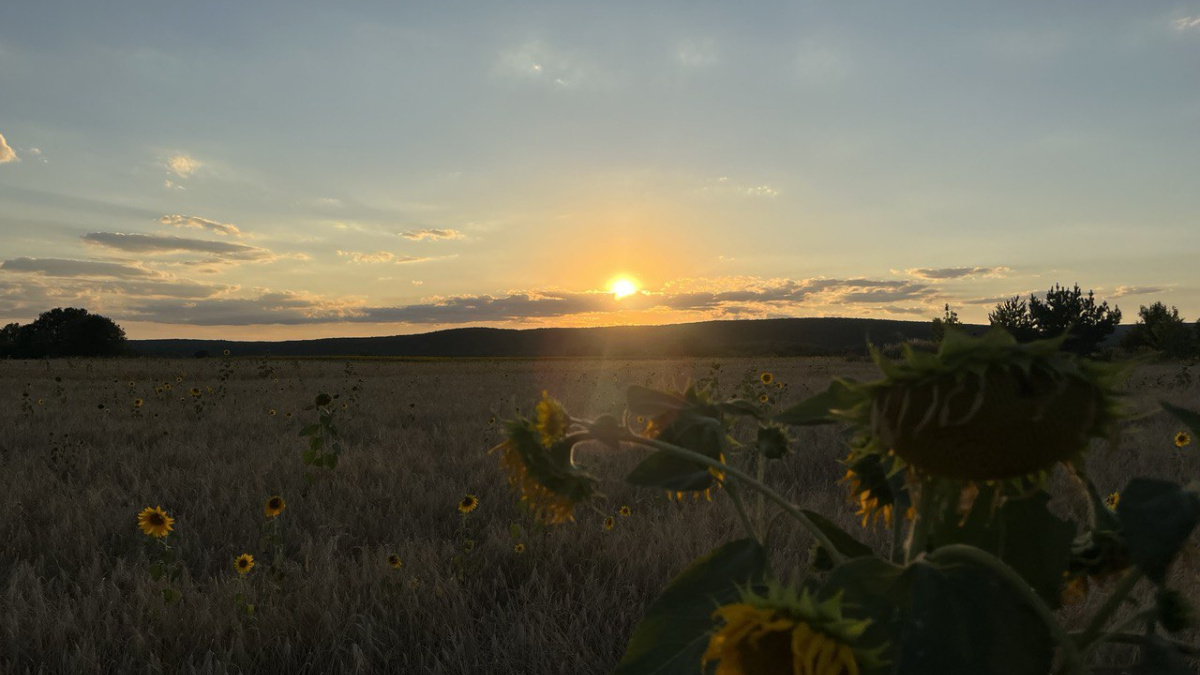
552,419
243,564
1182,439
609,523
155,522
226,352
468,504
766,378
544,475
625,511
763,398
394,561
274,506
271,412
137,402
1112,501
519,548
788,633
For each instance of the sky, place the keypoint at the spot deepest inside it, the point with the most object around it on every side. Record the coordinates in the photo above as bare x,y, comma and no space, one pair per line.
293,169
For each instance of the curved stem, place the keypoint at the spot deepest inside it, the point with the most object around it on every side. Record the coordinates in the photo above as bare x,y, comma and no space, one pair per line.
780,500
1110,606
1072,659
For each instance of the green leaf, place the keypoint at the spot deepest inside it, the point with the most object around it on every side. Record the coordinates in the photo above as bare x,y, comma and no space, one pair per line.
672,637
703,435
316,443
772,442
741,407
328,461
171,595
846,544
965,619
308,457
156,571
1157,516
309,430
651,402
871,588
819,409
1188,417
1025,535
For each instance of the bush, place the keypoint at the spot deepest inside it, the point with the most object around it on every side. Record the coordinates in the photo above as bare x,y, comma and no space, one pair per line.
1162,330
1064,310
61,331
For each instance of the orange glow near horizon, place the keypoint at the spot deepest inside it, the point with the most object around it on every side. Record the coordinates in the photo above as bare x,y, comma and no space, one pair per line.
622,287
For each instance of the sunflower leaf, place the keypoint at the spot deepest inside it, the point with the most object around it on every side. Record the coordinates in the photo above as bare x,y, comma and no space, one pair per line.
845,543
672,637
820,409
1157,516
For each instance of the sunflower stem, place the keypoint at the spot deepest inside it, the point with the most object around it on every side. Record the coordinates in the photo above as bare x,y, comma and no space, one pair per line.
1072,659
1140,639
1110,606
781,501
736,496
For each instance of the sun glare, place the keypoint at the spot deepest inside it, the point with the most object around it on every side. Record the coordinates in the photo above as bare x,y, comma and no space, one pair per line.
622,287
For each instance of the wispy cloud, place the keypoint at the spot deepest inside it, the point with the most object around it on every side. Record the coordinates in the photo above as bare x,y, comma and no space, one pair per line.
432,233
536,61
7,154
199,223
183,165
153,244
377,257
942,273
64,267
1187,23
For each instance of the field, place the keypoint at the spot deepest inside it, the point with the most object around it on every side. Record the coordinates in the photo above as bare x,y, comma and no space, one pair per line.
80,460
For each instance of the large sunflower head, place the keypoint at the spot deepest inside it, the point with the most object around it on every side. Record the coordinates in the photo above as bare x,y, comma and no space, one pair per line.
243,563
155,522
987,408
552,420
274,506
544,474
789,633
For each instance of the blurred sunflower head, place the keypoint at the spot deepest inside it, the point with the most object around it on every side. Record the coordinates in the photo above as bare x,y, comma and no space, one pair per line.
271,412
1182,439
763,398
552,420
609,523
544,475
1112,501
625,512
394,561
137,402
274,506
789,632
519,548
243,564
195,391
468,504
155,522
766,378
951,414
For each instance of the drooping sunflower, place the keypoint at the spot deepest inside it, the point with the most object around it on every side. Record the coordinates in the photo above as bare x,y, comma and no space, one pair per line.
155,522
1112,501
538,460
394,561
984,408
243,564
274,506
625,512
468,504
1182,439
766,377
789,633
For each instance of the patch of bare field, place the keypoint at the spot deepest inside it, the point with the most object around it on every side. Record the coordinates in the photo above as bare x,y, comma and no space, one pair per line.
80,461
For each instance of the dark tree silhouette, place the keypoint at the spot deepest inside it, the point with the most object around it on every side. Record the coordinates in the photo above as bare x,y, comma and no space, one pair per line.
937,331
1163,330
1065,310
62,331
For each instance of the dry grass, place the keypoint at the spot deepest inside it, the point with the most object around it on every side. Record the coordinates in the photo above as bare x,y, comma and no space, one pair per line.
77,595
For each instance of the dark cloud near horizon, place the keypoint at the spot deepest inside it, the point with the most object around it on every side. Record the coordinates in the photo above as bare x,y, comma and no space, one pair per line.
154,243
64,267
943,273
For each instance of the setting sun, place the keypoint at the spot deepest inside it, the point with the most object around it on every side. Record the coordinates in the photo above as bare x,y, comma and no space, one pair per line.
623,286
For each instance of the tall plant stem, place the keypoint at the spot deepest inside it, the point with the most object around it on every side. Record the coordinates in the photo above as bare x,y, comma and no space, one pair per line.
1110,606
781,501
1072,658
735,494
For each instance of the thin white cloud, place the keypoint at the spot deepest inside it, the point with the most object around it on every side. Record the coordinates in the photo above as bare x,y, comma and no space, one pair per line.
153,243
537,62
198,223
183,165
432,233
1187,23
725,186
377,257
64,267
7,154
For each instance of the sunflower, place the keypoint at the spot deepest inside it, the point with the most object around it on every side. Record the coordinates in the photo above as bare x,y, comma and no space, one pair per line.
179,379
394,561
625,512
137,402
195,391
288,414
274,506
1112,501
243,564
763,398
271,412
766,377
552,420
468,504
155,522
1182,439
544,475
226,352
788,633
519,548
609,523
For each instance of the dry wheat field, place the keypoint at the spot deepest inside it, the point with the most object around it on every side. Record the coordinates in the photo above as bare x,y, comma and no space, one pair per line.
373,566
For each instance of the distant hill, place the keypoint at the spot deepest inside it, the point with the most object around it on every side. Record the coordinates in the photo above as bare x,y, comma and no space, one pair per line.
764,337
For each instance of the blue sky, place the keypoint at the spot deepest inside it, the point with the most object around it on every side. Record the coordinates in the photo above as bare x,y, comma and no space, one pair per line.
293,169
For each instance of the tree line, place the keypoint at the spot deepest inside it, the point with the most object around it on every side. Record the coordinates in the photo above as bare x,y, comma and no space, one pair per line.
1086,323
68,331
